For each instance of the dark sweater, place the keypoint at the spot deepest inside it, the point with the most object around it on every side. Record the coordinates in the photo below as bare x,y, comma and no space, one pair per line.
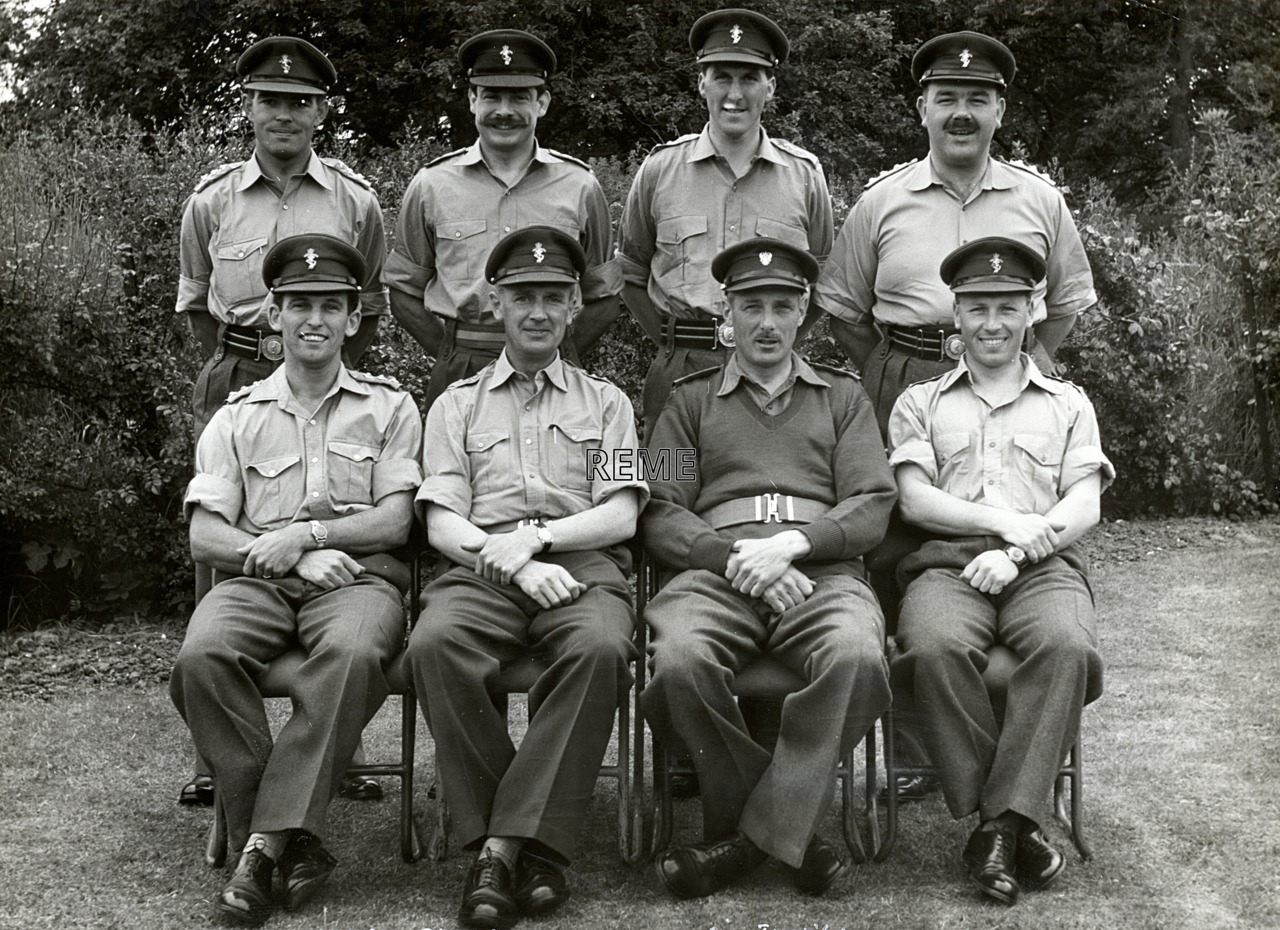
825,447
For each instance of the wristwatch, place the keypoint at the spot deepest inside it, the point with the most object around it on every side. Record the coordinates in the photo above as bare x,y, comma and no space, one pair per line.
320,533
1016,556
544,535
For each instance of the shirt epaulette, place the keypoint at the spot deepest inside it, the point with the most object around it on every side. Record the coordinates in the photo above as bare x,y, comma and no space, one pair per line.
889,172
219,172
694,376
469,380
836,370
674,142
1029,169
927,380
569,158
242,393
374,379
793,149
338,165
439,158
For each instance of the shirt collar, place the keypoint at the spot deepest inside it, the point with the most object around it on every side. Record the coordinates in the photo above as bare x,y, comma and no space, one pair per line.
473,156
800,371
314,170
275,387
504,371
704,148
997,176
1030,375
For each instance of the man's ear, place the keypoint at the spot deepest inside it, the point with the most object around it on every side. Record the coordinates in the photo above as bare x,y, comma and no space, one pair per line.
920,107
544,102
354,316
495,305
274,311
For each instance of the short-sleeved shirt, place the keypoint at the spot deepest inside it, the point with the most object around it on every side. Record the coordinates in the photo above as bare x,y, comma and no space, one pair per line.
685,206
265,462
236,216
1021,456
503,447
885,261
455,211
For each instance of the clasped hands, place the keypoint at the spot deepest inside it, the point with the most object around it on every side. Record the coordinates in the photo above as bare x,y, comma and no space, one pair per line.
761,568
276,553
1036,535
507,558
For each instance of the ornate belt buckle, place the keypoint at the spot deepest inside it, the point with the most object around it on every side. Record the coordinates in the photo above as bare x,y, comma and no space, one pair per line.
271,347
770,502
953,346
724,334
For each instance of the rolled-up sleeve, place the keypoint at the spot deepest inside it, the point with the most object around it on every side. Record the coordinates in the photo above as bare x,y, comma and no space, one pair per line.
446,467
636,232
194,264
1068,277
399,467
412,263
372,244
909,441
603,277
846,286
218,485
1084,453
619,432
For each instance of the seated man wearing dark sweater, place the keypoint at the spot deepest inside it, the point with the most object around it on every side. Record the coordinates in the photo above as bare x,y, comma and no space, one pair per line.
791,487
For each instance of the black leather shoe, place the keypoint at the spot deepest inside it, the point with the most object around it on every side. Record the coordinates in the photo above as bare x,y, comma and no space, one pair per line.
540,885
304,868
1039,861
198,792
822,865
685,785
990,855
910,788
702,869
486,899
361,788
248,898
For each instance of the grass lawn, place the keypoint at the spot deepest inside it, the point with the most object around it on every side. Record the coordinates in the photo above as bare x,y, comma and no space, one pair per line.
1182,799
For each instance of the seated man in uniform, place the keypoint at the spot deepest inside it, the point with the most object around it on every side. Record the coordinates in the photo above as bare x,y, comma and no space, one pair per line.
538,559
1003,465
303,483
791,487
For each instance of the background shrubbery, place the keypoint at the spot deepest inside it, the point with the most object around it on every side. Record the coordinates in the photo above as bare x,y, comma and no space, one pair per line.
1181,356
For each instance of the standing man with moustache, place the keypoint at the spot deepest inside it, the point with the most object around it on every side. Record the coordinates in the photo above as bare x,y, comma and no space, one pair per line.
701,193
457,208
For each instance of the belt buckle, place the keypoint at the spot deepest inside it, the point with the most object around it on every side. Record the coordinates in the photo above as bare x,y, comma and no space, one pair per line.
953,346
271,347
769,504
725,336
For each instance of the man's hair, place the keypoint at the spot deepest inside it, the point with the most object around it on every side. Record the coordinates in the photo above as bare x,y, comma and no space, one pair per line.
707,66
353,297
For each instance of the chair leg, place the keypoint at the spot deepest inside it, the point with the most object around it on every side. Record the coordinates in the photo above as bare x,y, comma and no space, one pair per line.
410,844
623,772
884,848
438,846
1073,822
215,847
662,807
848,804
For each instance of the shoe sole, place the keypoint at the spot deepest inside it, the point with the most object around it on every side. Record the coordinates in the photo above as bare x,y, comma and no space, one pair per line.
496,922
534,905
250,918
300,894
993,893
826,886
683,894
1042,884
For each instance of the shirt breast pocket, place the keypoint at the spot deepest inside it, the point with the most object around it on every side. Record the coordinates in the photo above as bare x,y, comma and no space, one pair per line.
1037,459
237,269
570,441
955,464
273,489
683,252
461,249
776,229
351,472
490,455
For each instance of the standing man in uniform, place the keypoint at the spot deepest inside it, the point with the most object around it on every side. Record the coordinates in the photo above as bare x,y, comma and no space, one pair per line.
791,487
457,208
1004,466
304,482
701,193
236,214
892,313
536,543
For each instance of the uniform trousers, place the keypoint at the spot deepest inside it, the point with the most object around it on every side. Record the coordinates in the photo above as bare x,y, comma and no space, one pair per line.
469,628
668,366
704,632
350,635
222,375
945,626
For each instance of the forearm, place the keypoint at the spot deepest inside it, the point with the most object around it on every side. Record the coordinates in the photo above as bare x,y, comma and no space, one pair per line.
642,309
593,321
1079,510
447,533
1052,332
681,539
606,524
856,339
204,327
426,329
379,529
938,512
216,543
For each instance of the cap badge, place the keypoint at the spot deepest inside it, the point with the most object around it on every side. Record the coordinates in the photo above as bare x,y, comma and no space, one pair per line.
285,63
736,34
506,54
310,257
965,57
996,263
539,253
766,258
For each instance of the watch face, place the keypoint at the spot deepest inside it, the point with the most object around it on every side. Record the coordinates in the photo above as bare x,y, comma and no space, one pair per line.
1016,555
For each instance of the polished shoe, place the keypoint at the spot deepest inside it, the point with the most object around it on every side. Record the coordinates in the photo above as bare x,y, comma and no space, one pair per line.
540,885
910,788
685,785
304,868
1039,861
198,792
486,899
821,866
990,855
248,898
702,869
361,788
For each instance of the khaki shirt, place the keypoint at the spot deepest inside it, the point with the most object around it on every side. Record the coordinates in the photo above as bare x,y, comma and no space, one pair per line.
1021,456
685,206
264,462
501,447
886,258
770,404
454,212
233,220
